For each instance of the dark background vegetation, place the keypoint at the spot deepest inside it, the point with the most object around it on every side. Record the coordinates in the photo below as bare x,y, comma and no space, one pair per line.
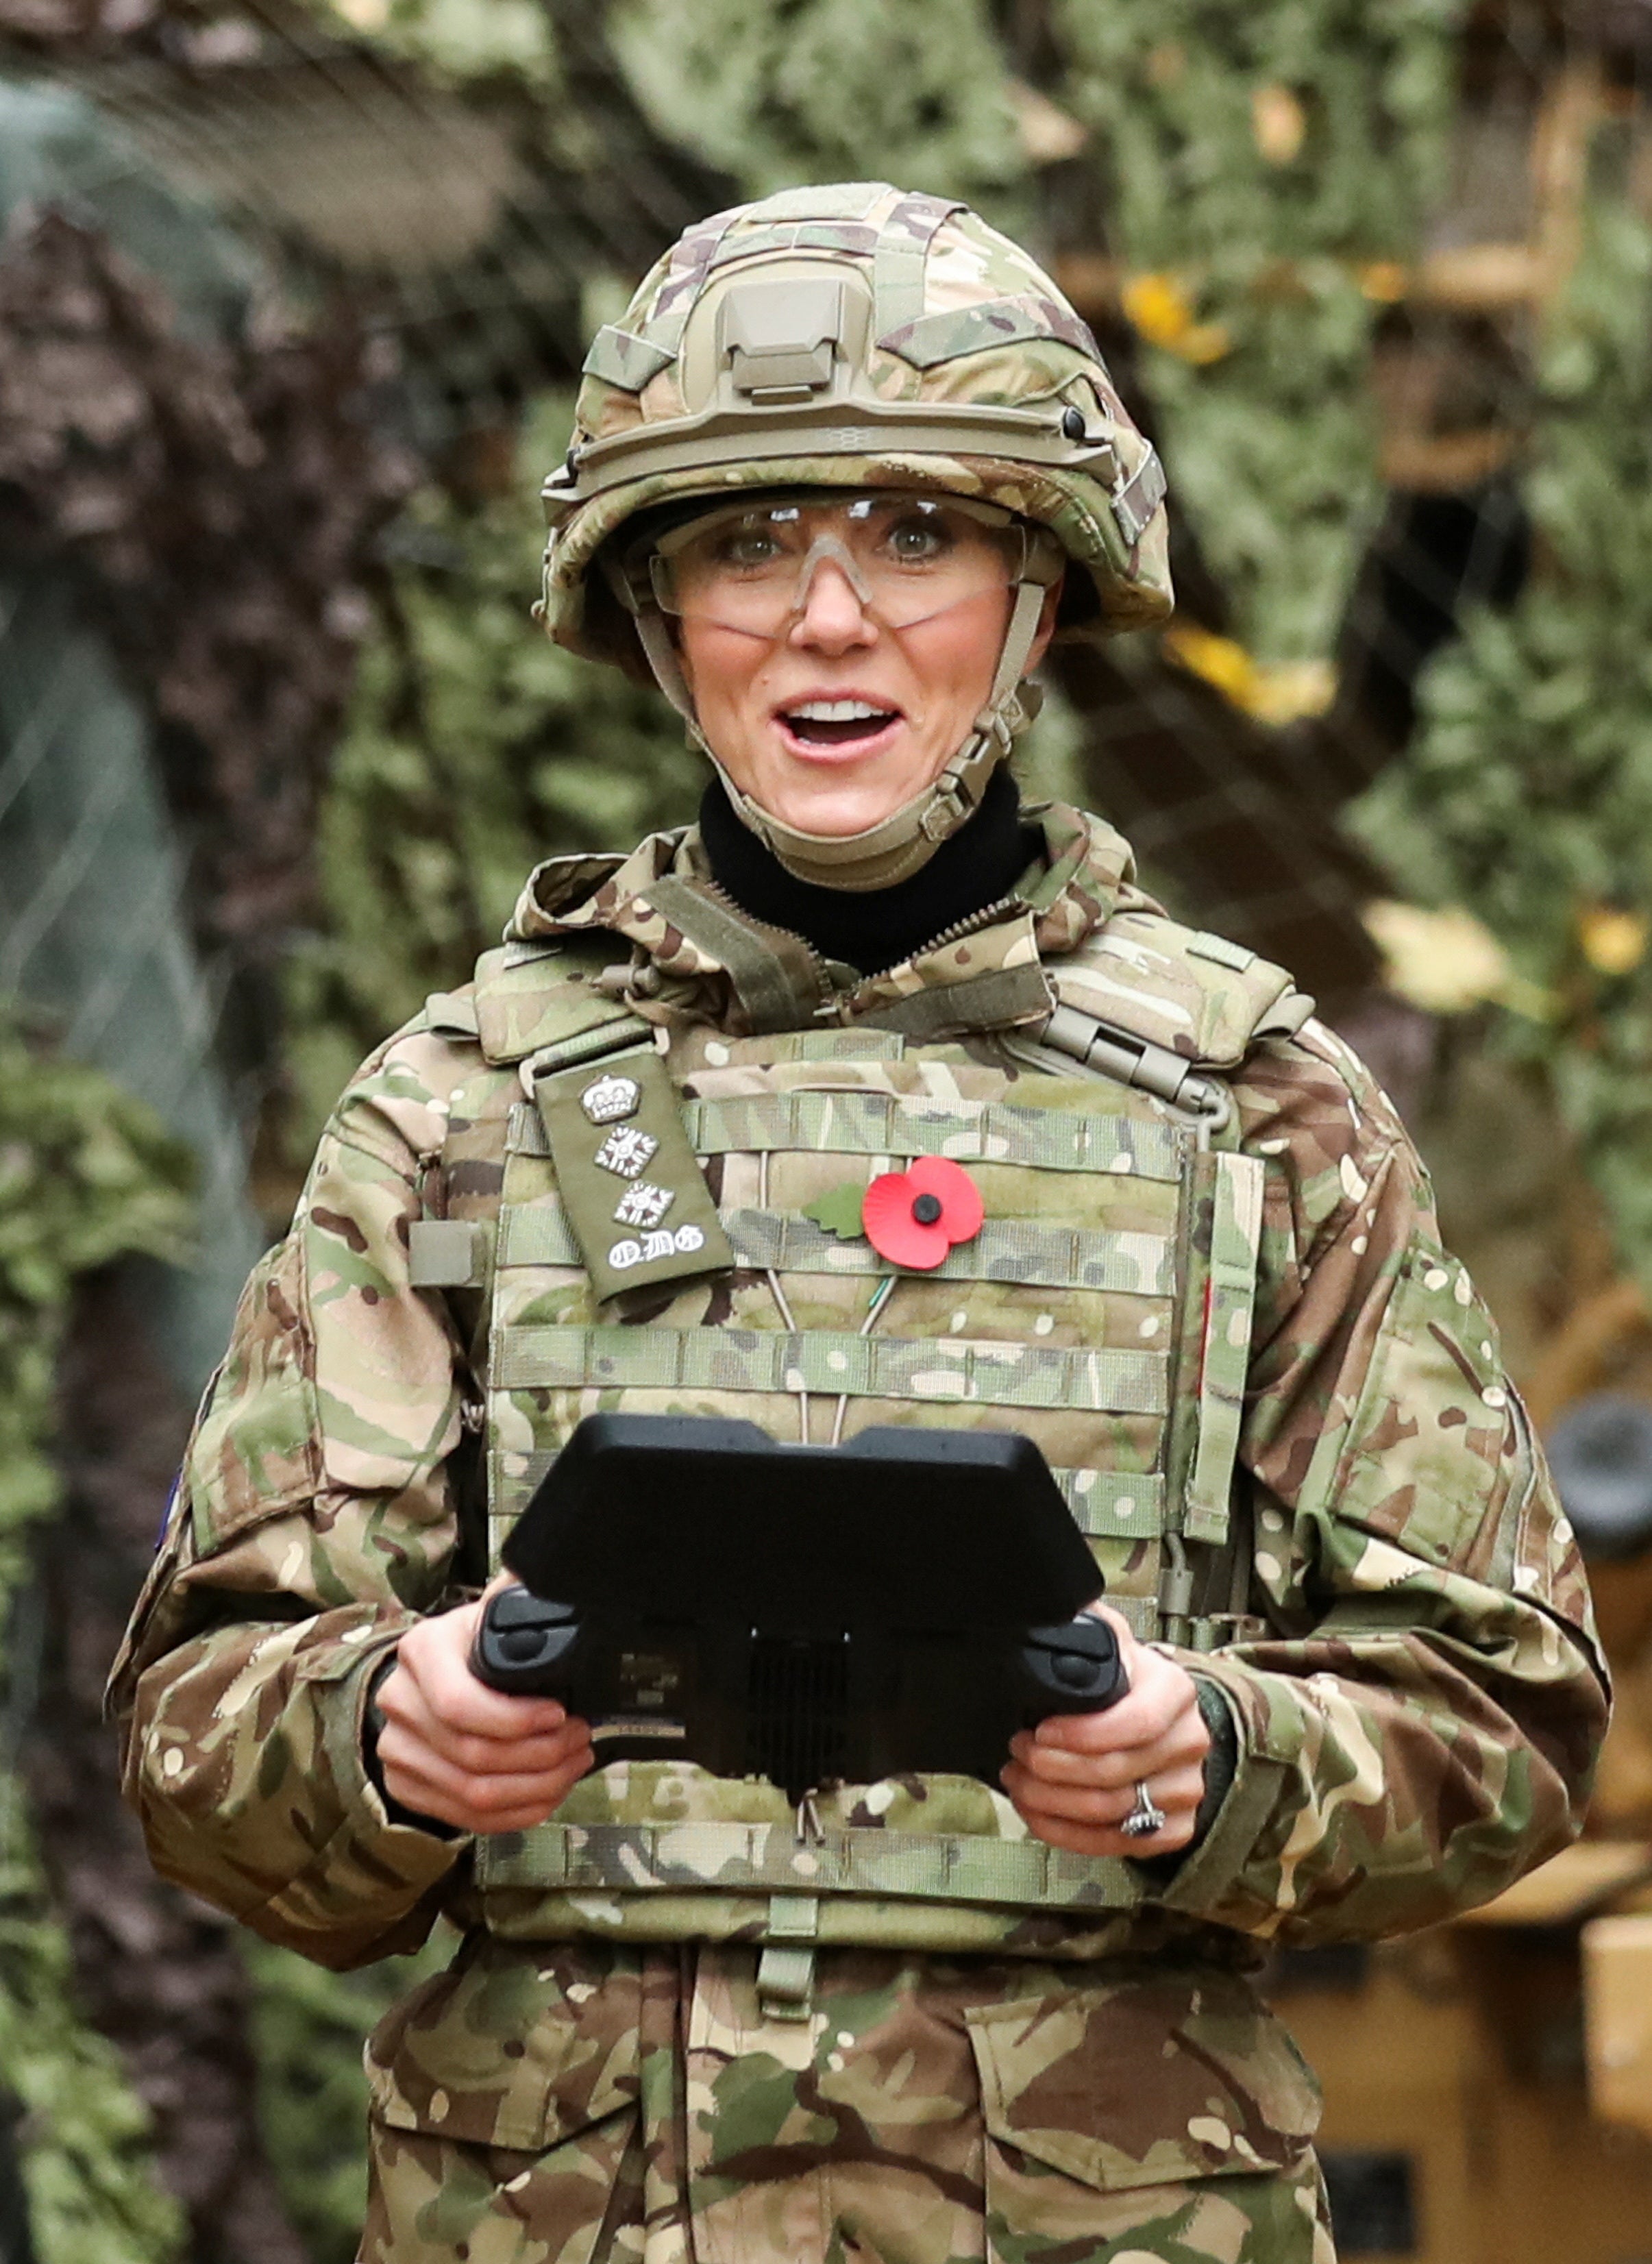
293,300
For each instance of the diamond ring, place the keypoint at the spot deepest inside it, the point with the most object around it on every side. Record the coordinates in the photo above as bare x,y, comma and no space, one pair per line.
1143,1817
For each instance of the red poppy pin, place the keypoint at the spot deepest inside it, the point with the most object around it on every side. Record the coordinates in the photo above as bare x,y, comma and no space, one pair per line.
913,1217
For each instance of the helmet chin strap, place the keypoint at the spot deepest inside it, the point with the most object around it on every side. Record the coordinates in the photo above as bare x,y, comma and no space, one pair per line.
902,843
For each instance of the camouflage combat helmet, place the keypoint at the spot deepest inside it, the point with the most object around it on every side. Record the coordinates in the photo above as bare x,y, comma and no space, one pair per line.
856,336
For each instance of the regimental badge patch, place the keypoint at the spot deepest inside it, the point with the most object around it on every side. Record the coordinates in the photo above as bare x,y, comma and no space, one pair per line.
611,1100
618,1126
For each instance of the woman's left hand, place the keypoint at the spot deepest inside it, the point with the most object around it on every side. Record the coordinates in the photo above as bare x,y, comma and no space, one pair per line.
1073,1778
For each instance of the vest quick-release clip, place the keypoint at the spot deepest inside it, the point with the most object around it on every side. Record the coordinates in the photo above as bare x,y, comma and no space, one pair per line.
1112,1052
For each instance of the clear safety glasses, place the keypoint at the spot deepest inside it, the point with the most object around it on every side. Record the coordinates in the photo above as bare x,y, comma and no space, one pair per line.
907,557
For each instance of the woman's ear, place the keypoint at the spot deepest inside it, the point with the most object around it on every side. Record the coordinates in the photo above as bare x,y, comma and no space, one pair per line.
1045,629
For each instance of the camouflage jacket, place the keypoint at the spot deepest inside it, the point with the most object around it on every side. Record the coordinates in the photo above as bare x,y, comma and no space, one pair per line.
1415,1708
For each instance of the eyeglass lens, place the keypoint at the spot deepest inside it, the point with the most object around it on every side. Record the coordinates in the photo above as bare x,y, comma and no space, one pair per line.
905,557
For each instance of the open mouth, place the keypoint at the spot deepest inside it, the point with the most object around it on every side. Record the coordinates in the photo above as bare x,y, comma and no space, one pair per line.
836,722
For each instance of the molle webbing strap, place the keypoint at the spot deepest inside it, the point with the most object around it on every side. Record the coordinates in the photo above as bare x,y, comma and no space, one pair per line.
947,1371
854,1123
786,1972
732,1858
1005,1250
1121,1504
1007,995
1225,1347
899,261
620,1032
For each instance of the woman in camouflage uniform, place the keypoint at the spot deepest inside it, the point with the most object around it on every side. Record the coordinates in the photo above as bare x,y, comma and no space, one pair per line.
847,465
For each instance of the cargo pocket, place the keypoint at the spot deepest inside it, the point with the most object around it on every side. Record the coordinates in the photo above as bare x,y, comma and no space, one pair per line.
1174,2109
510,2049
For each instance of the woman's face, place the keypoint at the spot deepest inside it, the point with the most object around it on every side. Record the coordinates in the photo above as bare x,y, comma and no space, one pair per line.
758,699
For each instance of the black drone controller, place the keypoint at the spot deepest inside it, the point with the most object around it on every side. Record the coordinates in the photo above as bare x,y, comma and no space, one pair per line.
811,1615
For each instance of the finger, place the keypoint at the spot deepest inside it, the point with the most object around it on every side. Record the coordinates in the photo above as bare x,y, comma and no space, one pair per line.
439,1670
496,1757
478,1741
1161,1696
1187,1744
482,1760
423,1780
1081,1840
1177,1794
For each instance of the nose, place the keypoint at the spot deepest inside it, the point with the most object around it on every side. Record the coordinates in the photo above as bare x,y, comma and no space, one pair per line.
832,617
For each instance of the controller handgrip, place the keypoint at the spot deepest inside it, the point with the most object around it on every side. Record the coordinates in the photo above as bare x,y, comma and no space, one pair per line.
523,1645
1074,1669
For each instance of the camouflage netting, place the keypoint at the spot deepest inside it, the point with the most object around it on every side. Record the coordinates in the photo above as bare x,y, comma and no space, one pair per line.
1526,796
780,91
1266,171
1254,183
86,1176
473,748
219,497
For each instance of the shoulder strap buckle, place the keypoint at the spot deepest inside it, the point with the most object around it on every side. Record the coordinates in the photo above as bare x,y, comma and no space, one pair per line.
1109,1051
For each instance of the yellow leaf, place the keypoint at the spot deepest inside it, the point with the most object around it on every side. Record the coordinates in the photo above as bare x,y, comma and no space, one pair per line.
1613,941
1282,694
1278,123
1292,689
1383,281
1445,961
1158,306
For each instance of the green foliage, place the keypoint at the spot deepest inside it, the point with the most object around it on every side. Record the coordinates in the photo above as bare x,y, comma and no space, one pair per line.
1264,167
1527,792
308,2027
459,40
781,91
86,1174
475,749
86,2136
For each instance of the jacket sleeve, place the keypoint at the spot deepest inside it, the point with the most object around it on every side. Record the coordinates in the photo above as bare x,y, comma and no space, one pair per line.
311,1525
1419,1725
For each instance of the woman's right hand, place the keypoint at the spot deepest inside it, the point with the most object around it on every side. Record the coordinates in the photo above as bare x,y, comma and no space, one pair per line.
453,1749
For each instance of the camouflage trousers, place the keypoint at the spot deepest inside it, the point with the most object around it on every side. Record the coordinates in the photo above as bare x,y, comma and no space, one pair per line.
593,2105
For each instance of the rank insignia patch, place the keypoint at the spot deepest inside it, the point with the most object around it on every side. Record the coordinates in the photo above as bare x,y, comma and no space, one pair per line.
611,1100
626,1151
618,1126
644,1205
684,1243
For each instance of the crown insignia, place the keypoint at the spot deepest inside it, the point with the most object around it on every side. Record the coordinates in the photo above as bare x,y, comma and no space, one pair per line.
611,1100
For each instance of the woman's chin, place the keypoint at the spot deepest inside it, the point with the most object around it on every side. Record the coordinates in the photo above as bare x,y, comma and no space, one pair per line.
834,817
833,803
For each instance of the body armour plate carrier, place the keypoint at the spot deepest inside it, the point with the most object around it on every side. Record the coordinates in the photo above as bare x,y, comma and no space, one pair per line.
1104,1309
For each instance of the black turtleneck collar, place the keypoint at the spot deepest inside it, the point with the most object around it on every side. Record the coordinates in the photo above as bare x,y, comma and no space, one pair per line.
871,929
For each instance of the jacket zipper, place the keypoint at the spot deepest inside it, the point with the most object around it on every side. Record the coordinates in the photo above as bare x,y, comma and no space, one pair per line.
836,1001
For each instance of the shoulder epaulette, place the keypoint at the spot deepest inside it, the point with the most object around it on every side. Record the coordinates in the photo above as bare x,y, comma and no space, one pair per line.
1193,994
541,1000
